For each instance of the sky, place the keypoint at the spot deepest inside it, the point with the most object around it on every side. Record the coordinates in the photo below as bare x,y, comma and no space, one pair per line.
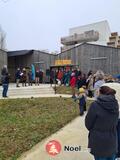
39,24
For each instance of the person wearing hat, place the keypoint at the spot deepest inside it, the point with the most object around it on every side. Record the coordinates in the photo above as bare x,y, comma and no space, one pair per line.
82,100
116,87
101,121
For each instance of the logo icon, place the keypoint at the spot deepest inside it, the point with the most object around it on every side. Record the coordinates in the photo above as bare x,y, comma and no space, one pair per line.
53,148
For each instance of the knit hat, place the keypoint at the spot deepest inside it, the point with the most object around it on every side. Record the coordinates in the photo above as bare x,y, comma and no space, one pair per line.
73,74
81,90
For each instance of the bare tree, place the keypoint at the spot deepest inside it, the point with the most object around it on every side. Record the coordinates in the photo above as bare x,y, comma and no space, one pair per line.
2,39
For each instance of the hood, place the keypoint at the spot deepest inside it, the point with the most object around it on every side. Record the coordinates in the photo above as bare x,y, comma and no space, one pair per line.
108,102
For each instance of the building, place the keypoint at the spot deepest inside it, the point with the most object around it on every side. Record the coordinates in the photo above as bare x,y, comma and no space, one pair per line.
93,57
24,59
89,47
95,33
114,40
86,56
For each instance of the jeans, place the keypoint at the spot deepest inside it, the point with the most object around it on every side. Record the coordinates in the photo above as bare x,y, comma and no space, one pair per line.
107,158
5,89
81,108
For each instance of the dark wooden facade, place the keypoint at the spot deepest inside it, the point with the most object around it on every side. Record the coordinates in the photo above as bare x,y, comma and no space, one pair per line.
85,56
24,59
93,57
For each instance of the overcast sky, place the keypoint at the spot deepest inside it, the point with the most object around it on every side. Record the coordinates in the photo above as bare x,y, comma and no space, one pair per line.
39,24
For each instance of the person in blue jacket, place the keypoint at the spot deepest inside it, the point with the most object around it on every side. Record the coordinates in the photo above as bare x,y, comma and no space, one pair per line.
5,84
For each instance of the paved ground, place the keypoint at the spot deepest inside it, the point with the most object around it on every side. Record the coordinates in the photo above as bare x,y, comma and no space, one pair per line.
43,90
73,134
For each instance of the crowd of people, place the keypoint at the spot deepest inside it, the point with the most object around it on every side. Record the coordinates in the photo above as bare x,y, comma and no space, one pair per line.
76,78
102,119
27,76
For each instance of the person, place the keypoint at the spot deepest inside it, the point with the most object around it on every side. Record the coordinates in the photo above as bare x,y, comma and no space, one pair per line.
60,75
17,77
5,84
37,77
24,77
99,81
66,78
101,121
73,84
89,83
81,81
30,75
41,76
82,100
116,87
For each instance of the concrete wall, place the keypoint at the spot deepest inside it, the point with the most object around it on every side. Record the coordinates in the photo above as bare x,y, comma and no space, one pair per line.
101,27
3,59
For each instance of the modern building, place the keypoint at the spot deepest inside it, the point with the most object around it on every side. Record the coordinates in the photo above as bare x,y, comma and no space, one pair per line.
95,33
114,40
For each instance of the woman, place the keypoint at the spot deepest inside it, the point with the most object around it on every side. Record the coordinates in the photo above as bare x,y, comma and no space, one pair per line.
99,81
73,84
101,121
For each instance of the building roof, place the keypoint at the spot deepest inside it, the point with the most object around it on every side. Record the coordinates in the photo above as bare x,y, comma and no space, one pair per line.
19,53
88,43
24,52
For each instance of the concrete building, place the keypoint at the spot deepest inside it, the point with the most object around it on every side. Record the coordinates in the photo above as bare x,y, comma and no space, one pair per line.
95,33
114,40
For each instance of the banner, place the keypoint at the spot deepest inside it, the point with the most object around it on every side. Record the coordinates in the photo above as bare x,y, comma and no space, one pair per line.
63,62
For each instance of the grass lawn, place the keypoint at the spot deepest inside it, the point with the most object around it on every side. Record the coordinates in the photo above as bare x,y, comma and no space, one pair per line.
25,122
64,90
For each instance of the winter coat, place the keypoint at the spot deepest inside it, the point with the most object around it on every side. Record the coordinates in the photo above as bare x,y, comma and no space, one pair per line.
17,75
97,85
73,81
81,82
5,79
101,121
60,75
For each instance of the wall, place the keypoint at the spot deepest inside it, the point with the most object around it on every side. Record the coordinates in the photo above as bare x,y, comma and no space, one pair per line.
102,27
38,58
94,57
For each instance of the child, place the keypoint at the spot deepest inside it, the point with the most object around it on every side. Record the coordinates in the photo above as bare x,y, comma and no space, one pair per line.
82,100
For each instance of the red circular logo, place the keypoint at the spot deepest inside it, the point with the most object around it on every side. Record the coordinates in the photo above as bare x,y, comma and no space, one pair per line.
53,147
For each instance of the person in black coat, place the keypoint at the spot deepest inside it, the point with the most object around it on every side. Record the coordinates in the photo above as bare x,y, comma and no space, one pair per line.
101,121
